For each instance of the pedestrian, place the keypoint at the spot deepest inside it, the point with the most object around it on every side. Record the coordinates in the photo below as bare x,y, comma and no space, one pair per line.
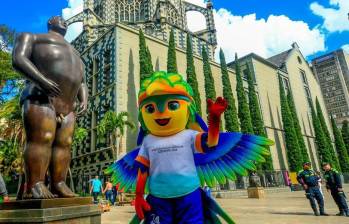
120,194
3,190
96,189
334,185
115,194
108,191
310,182
207,190
320,183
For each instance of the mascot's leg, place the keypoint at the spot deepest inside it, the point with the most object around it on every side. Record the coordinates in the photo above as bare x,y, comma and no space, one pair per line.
188,209
212,211
161,211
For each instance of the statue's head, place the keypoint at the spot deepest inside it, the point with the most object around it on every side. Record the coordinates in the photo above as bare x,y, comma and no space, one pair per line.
57,24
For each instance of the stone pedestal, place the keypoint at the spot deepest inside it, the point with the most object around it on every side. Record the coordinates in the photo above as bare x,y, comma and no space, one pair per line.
51,211
255,192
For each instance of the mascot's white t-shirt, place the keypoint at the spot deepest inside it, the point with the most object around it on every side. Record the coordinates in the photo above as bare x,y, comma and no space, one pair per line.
172,171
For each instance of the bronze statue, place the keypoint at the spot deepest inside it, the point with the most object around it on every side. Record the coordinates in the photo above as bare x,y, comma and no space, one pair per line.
55,81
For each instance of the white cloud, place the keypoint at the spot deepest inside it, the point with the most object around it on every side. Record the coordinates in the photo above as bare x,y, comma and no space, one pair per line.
346,48
266,37
335,17
74,7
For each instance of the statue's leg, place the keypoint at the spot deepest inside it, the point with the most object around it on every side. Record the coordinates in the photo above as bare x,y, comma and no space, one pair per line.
61,156
40,125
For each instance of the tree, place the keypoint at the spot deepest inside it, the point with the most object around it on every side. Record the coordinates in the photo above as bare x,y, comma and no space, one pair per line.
345,134
230,115
340,147
334,160
8,36
114,124
79,135
243,110
191,75
145,64
171,55
323,152
297,128
209,81
292,147
256,117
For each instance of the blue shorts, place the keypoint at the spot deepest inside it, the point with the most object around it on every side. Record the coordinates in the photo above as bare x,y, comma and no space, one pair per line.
182,210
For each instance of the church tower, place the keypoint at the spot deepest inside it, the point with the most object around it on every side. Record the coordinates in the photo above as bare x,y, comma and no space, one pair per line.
156,17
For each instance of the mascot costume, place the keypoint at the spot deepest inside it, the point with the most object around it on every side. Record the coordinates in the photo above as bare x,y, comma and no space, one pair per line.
177,155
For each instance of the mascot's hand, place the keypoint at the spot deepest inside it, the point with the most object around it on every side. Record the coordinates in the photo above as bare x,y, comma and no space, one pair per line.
141,205
215,109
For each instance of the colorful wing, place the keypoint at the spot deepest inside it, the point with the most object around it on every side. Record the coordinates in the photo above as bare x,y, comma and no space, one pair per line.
236,153
124,171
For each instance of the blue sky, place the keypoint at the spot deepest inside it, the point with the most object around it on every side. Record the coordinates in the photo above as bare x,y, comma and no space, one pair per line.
265,27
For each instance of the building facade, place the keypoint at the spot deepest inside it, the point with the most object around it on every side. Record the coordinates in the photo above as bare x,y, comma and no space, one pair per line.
112,75
332,71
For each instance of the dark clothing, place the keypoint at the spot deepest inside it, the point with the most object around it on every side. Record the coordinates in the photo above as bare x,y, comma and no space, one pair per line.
333,179
333,182
309,178
95,197
181,210
313,193
109,196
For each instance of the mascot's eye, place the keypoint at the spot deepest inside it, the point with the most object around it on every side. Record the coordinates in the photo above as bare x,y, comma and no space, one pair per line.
173,105
150,109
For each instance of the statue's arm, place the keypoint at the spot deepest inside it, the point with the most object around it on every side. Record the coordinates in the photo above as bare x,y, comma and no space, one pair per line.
21,55
83,97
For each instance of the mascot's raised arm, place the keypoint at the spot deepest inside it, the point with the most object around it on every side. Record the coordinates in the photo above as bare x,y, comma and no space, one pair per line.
178,154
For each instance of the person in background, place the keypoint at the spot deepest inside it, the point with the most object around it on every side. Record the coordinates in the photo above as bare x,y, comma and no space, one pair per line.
115,194
3,190
334,184
207,190
96,189
108,191
310,182
120,193
320,183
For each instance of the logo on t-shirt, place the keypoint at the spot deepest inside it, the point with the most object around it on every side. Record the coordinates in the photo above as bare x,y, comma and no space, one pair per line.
163,149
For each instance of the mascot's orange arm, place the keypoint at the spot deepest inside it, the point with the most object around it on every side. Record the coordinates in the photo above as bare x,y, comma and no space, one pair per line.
140,204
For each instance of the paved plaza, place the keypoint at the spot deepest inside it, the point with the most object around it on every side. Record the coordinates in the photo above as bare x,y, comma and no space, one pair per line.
277,208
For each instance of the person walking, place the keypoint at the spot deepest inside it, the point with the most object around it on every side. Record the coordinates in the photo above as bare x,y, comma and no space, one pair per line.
108,191
334,185
3,190
96,189
115,194
310,182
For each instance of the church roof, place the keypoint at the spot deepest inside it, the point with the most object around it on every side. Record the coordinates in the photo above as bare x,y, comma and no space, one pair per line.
280,59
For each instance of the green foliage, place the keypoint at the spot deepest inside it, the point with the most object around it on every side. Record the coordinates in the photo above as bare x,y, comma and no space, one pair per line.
334,160
243,110
230,115
292,147
340,147
209,81
145,64
79,135
10,157
323,152
297,128
8,36
191,75
256,117
114,124
171,55
345,134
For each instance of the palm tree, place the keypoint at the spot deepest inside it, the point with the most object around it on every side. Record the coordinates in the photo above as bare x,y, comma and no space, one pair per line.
114,124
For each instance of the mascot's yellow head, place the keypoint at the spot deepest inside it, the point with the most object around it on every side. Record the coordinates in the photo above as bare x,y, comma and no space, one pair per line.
166,104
